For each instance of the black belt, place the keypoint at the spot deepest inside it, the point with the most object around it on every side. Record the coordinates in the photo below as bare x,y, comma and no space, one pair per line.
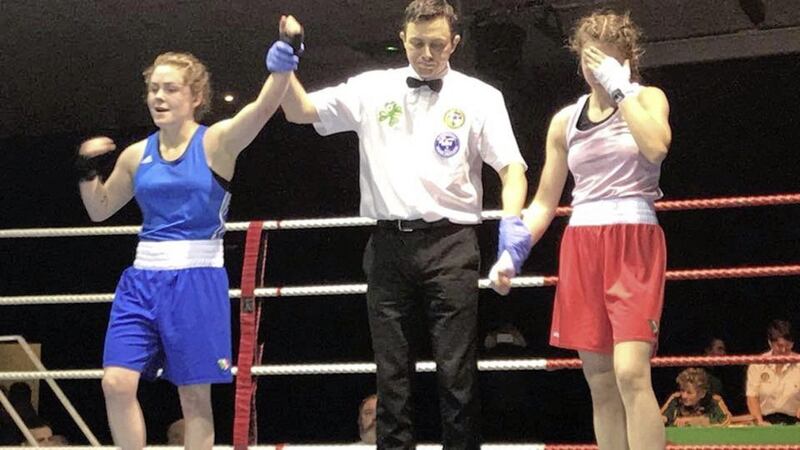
414,225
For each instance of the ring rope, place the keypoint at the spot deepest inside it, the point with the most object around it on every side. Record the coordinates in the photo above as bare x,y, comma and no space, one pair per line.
299,224
688,447
361,288
526,446
491,365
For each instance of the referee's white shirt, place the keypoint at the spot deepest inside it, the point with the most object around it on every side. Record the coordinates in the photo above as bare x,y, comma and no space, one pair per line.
421,152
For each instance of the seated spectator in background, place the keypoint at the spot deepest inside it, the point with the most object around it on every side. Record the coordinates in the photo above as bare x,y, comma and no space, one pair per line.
20,395
508,397
59,440
773,390
714,346
8,430
694,404
175,433
366,419
506,333
42,433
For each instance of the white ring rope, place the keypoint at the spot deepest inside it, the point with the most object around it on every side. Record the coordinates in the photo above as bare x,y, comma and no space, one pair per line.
292,224
487,365
289,291
288,369
296,224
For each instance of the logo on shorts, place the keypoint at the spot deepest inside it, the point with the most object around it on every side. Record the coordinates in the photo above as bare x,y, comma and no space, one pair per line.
223,364
653,327
391,113
764,377
447,144
454,118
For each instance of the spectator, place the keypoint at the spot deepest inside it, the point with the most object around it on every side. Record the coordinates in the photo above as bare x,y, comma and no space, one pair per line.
366,420
694,404
8,430
715,346
42,433
20,395
773,390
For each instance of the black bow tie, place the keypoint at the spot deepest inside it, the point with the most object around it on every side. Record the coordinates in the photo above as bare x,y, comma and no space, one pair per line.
435,85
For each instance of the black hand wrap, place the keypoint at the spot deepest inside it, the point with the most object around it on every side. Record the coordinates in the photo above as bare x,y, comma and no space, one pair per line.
295,40
87,168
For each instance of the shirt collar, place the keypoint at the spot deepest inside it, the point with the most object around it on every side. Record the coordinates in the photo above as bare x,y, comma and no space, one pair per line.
410,72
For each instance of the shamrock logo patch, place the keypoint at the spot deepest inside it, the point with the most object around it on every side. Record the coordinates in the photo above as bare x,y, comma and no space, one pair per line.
391,113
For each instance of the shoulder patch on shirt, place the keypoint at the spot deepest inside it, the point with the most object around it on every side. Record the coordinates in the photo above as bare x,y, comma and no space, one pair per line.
764,377
447,144
391,112
454,118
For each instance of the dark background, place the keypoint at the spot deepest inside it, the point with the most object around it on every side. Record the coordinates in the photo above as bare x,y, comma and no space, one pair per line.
736,131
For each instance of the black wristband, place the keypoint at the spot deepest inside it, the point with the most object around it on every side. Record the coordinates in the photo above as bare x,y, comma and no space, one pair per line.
295,40
86,167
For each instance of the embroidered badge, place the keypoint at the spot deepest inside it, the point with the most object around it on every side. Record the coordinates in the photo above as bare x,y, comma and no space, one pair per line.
447,144
391,112
454,118
653,327
764,377
223,364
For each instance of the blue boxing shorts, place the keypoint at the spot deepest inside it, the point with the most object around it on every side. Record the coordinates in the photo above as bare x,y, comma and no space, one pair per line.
176,320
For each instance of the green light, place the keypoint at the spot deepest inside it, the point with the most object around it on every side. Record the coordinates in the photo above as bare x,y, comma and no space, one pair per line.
392,49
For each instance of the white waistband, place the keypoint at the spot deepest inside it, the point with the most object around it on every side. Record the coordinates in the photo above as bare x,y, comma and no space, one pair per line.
612,211
172,255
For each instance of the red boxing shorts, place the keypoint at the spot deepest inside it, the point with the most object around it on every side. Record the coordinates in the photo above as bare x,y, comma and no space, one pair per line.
610,286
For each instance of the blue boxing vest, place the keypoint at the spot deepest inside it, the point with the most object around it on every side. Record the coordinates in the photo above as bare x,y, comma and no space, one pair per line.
182,199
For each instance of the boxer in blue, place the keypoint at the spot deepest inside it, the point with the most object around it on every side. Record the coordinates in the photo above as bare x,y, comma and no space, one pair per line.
171,309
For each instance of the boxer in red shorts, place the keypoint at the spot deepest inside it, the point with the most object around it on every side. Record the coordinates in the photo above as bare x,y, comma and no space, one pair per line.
613,256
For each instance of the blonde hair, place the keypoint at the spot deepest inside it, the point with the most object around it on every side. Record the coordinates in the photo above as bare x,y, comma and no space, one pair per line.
695,377
195,75
610,28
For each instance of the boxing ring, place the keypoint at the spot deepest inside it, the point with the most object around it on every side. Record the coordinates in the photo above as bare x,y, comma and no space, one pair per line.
249,358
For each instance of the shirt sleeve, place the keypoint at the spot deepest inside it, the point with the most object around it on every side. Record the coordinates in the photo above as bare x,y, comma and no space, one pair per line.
753,380
670,410
715,413
718,412
497,144
339,108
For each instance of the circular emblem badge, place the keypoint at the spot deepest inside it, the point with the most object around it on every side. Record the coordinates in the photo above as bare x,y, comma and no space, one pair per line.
447,144
454,118
764,376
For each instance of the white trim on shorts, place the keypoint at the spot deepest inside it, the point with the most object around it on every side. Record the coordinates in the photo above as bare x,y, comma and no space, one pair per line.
174,255
634,210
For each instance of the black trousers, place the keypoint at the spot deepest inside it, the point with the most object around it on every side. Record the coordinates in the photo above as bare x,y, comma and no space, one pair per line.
436,268
781,419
